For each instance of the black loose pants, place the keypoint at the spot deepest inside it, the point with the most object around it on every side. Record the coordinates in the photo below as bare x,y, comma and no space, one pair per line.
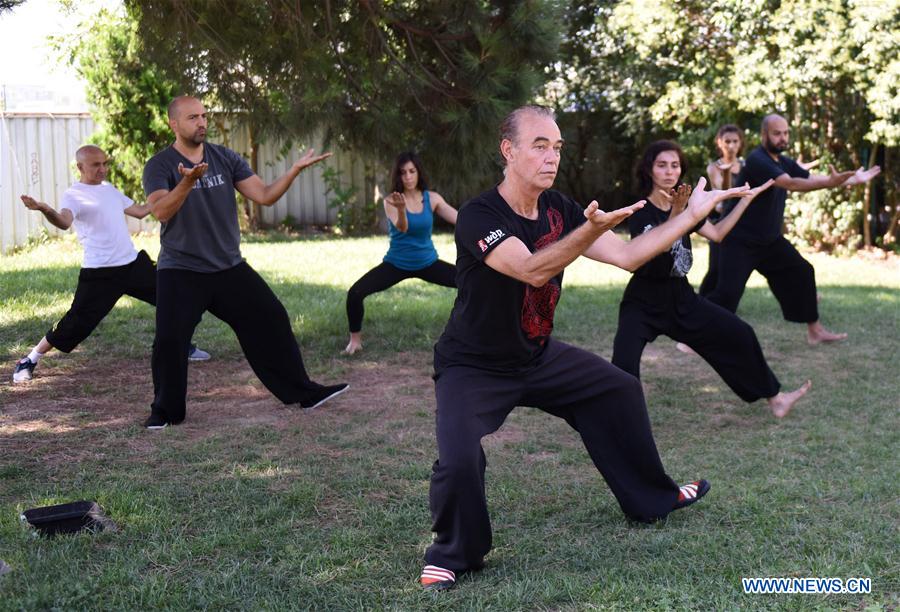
602,403
97,292
242,299
708,284
651,308
791,278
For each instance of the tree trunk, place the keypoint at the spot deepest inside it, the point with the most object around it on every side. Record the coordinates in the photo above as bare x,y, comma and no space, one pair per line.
253,209
867,203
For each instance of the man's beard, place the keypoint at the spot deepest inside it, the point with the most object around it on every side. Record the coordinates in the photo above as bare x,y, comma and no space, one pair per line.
772,148
198,139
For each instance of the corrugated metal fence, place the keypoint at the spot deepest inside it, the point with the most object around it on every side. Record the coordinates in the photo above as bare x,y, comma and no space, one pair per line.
35,159
37,155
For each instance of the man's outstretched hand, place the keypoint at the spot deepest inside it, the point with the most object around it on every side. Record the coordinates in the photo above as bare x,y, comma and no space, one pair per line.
861,176
701,202
193,173
309,158
603,221
32,204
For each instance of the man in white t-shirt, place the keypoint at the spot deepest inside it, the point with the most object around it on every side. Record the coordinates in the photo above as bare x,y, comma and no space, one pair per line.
111,267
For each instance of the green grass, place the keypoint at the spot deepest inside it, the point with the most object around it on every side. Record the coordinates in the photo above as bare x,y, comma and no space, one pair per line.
251,505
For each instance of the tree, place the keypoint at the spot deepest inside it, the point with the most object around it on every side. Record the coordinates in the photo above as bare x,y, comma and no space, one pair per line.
378,77
127,94
687,66
8,5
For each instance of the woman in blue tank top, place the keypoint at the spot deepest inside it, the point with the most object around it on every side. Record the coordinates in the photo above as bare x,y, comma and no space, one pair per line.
410,210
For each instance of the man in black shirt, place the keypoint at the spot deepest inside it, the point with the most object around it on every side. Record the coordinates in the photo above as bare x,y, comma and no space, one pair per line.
190,188
756,242
496,352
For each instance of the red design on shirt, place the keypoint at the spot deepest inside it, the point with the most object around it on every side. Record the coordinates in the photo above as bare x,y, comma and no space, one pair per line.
540,302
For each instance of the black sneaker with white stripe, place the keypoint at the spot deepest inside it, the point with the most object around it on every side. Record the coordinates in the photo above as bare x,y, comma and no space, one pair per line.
322,395
155,421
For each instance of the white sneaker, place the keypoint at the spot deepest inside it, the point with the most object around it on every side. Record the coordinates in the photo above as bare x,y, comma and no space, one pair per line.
24,370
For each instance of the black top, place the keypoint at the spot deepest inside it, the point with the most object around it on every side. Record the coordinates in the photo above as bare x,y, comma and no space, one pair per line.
763,218
674,263
203,236
728,205
500,323
660,285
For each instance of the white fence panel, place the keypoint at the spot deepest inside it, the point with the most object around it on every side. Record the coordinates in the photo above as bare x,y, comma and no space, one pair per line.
37,153
305,201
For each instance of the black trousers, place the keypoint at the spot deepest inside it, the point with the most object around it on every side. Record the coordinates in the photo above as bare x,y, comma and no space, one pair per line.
242,299
708,284
386,275
602,403
726,342
791,278
97,292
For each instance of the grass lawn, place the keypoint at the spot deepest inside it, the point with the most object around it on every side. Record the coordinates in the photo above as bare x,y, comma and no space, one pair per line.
253,505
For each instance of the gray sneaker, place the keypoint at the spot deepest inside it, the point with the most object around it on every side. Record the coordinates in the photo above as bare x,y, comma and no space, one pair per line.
197,354
24,370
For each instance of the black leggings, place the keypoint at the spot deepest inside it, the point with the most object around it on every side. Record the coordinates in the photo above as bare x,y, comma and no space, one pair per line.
384,276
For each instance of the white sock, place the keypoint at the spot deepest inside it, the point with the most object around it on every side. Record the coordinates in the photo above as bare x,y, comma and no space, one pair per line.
34,356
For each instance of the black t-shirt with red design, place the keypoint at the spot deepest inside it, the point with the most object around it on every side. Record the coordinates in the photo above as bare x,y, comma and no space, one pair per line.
498,322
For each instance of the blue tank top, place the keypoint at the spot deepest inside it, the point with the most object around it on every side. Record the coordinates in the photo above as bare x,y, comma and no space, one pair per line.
413,249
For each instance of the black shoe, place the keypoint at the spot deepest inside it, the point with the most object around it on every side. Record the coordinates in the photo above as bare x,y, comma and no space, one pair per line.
24,370
322,395
155,421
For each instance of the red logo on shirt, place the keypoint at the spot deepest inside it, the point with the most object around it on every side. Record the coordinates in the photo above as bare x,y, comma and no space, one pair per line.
482,245
540,302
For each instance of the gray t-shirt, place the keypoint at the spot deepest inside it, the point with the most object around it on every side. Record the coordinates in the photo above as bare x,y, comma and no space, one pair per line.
203,236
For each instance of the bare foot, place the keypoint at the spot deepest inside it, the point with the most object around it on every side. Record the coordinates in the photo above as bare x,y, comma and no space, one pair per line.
782,403
816,334
684,348
354,345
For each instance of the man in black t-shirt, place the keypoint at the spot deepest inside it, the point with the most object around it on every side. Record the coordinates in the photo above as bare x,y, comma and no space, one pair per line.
496,352
190,188
756,242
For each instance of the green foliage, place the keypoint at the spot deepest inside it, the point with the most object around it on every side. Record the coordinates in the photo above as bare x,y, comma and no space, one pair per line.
353,216
436,77
832,67
127,93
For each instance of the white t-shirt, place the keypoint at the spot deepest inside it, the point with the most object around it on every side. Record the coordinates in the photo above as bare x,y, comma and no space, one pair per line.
100,224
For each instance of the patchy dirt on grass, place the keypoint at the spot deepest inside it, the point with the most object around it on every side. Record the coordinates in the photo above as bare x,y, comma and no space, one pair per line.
73,411
67,410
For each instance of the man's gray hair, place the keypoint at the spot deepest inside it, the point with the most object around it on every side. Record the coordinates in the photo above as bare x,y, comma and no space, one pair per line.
509,129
